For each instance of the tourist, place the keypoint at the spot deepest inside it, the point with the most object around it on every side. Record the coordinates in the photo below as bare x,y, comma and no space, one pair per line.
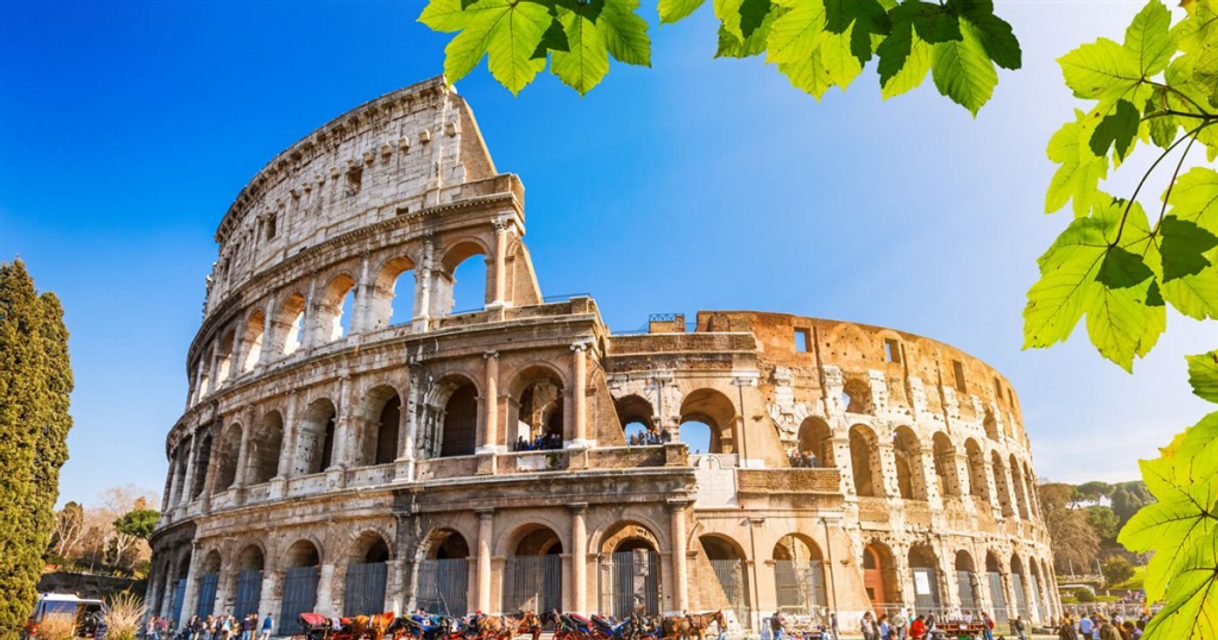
1107,630
1018,626
867,626
1130,630
267,624
917,628
1067,631
987,626
1084,627
150,629
247,626
665,436
777,625
899,622
885,628
833,624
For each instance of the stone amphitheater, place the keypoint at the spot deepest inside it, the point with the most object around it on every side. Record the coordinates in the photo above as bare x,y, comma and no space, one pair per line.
351,445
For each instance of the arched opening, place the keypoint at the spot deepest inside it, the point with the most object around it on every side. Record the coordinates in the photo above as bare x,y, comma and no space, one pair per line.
443,582
538,410
966,581
1021,489
334,312
1017,587
289,324
461,266
460,431
815,444
380,425
923,565
367,570
251,340
717,414
178,596
248,593
911,477
978,486
991,426
879,575
230,452
1001,485
945,466
202,463
865,462
208,581
393,294
532,573
224,358
630,567
998,598
315,440
1037,609
265,446
1033,497
799,576
205,372
300,575
727,562
180,455
856,395
638,421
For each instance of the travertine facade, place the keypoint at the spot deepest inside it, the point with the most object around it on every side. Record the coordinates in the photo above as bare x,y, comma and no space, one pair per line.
356,457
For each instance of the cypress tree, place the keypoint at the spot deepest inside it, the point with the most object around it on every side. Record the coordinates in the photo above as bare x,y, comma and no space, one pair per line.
35,380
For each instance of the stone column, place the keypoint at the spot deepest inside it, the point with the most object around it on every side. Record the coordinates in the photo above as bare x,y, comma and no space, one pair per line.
189,476
268,339
268,600
485,531
191,597
404,465
361,310
239,480
680,596
579,557
488,439
579,375
422,288
502,229
327,604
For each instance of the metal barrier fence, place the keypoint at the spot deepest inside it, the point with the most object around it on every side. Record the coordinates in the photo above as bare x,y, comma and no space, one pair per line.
1021,598
443,586
734,581
205,605
249,593
299,596
175,604
532,583
365,588
800,586
998,598
926,588
630,583
968,590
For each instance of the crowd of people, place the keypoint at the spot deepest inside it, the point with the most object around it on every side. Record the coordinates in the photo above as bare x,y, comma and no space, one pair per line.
649,438
210,628
803,460
1097,626
544,442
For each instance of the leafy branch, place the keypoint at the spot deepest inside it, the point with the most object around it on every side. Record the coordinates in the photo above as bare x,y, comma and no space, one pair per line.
1121,272
817,44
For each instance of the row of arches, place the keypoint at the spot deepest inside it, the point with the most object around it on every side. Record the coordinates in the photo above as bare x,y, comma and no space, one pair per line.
395,293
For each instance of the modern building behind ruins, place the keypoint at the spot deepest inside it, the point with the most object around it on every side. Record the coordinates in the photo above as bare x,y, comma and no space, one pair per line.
359,457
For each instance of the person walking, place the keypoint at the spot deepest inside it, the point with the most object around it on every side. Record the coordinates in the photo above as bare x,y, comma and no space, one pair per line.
267,625
885,628
899,623
777,625
917,628
1018,626
1067,631
987,626
867,626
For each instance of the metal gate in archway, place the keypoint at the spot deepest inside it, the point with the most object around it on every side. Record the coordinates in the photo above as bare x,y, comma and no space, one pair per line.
734,580
443,586
926,588
249,593
1036,600
968,594
1021,598
175,604
998,598
532,583
299,596
799,586
364,592
206,604
630,583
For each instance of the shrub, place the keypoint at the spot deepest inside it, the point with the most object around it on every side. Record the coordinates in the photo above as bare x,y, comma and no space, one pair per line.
57,628
123,618
1084,595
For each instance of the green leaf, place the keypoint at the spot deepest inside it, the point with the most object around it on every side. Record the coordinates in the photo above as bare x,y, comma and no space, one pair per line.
1203,375
625,33
554,39
732,47
1195,198
673,10
1081,169
867,17
914,71
1149,40
1103,70
996,34
809,76
506,31
1183,248
587,61
1117,128
753,14
446,16
1195,296
962,71
837,56
796,34
934,23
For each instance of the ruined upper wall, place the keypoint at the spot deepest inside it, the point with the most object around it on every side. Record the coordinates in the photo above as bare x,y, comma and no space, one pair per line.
407,150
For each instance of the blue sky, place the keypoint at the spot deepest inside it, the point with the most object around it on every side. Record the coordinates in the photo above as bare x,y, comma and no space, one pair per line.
126,129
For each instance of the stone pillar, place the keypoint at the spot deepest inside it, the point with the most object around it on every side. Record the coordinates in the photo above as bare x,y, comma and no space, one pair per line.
269,600
579,399
502,229
327,604
288,451
191,597
887,457
488,439
361,310
189,477
422,289
269,341
396,585
239,480
404,465
579,557
680,581
485,531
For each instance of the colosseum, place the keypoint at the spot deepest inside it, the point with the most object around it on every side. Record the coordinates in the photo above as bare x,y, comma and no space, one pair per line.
351,445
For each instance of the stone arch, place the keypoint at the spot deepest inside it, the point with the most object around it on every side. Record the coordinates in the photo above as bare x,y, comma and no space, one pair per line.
799,575
967,582
443,572
316,437
991,426
907,454
206,582
381,424
978,485
264,449
1017,483
202,466
230,453
301,562
332,322
865,462
251,340
456,254
252,557
945,465
369,545
391,302
533,576
302,552
289,324
628,535
879,574
635,414
205,376
224,357
630,569
1001,484
536,537
796,547
715,410
924,568
445,544
1018,584
537,406
455,399
856,395
728,563
816,438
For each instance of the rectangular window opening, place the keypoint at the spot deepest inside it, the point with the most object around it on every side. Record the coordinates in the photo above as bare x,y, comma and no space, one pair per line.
271,227
892,350
997,389
958,367
803,340
355,179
